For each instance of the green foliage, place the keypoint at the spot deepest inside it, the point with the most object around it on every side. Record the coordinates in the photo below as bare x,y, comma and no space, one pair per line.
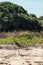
41,22
41,18
15,17
25,16
25,38
8,40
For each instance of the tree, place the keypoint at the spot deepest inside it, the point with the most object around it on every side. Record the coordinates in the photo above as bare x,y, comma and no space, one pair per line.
15,17
41,18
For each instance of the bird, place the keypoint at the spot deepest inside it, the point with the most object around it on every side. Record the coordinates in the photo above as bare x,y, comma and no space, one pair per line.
17,44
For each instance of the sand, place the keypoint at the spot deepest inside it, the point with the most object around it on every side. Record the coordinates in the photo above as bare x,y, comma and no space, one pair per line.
30,56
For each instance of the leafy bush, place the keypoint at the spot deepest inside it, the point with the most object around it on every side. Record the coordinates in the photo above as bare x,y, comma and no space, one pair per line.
15,17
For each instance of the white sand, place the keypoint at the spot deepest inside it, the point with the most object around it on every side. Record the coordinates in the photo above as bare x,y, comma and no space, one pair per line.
34,56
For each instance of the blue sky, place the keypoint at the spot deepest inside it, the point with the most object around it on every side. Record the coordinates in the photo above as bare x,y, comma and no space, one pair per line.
32,6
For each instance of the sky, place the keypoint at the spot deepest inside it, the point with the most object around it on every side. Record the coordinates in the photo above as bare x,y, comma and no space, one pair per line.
32,6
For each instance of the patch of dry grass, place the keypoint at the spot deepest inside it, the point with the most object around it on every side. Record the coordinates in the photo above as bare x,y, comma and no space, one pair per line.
22,37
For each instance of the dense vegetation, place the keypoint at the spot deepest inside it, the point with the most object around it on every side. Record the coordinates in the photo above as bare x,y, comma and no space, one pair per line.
41,18
22,38
14,17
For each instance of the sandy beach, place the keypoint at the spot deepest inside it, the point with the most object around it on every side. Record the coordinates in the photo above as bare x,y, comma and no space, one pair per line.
30,56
